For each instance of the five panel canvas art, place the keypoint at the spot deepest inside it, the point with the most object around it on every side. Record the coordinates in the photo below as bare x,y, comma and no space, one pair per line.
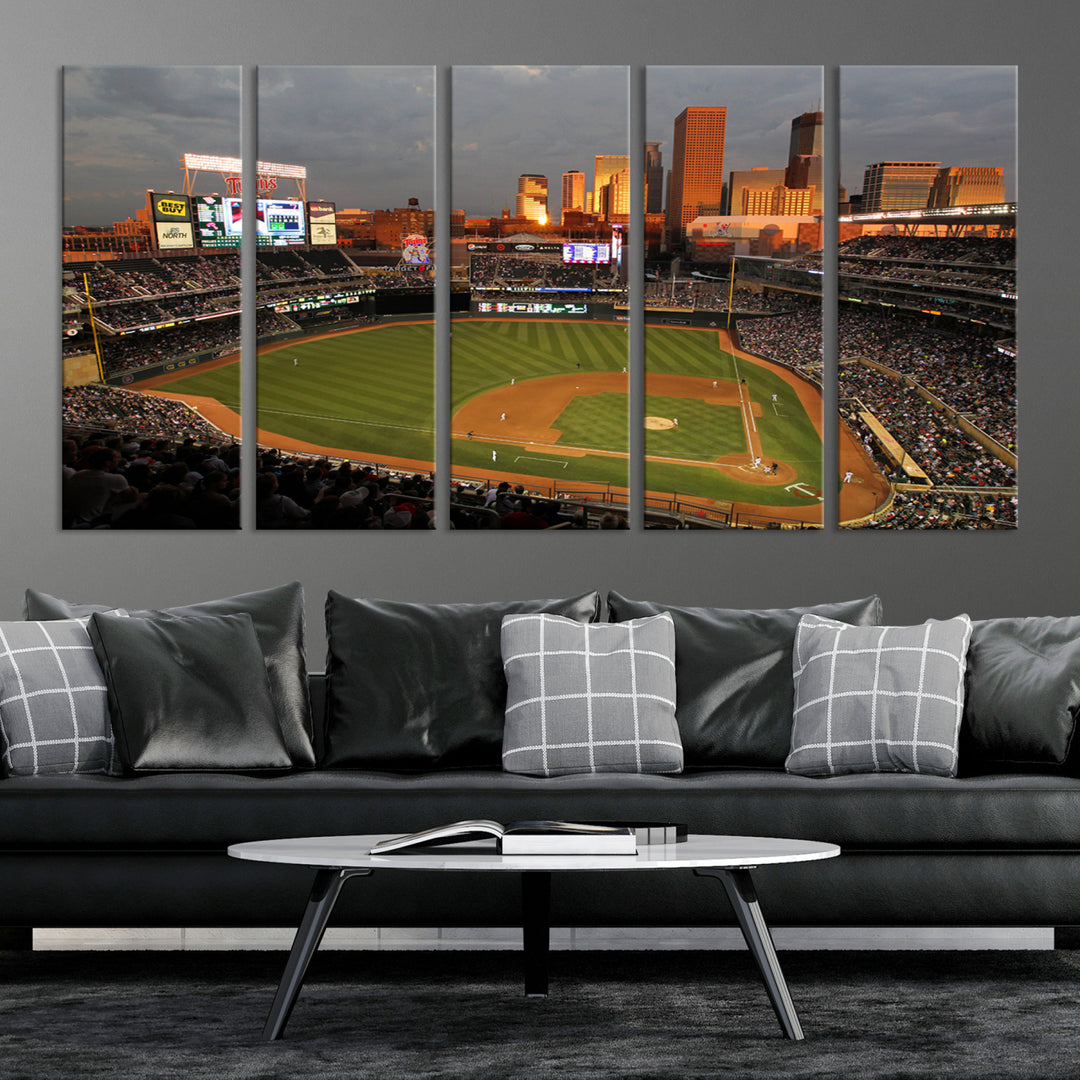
717,258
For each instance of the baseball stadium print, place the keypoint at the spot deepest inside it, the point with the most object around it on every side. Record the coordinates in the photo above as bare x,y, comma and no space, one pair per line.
733,364
730,208
539,348
346,345
927,298
150,292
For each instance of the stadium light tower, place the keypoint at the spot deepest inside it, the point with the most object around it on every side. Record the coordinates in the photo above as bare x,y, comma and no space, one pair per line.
231,169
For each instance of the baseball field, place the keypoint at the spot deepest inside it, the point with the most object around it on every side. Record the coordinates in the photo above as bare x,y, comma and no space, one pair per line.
543,399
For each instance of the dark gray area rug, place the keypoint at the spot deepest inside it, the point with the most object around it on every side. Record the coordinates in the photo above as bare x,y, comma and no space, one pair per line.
159,1016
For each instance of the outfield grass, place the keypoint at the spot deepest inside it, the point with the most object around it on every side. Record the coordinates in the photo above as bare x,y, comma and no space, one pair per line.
371,393
222,383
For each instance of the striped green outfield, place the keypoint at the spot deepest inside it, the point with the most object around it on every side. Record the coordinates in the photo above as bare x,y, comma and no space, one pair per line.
371,393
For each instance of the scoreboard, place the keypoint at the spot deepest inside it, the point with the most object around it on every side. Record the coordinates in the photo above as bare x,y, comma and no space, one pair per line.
280,222
218,221
209,214
531,307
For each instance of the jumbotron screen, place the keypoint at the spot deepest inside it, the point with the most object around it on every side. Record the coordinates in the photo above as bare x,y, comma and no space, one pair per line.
209,214
281,220
586,253
278,222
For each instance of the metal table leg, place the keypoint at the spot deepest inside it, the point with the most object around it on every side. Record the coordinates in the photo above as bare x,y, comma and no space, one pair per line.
536,929
324,894
740,891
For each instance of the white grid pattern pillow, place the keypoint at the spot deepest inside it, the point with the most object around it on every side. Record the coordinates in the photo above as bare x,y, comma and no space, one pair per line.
878,698
54,713
589,697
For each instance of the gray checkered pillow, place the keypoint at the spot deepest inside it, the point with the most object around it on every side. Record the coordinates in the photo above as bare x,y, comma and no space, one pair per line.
589,697
878,698
54,714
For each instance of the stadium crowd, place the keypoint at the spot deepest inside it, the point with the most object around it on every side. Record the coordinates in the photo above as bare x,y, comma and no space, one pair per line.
136,462
977,250
792,338
302,492
944,509
488,271
968,373
941,449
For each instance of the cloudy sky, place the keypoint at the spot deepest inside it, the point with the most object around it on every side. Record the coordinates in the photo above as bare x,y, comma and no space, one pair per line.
126,129
366,133
955,115
544,120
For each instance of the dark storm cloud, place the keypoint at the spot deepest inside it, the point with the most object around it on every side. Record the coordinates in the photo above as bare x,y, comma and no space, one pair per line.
761,102
126,129
365,134
545,120
955,115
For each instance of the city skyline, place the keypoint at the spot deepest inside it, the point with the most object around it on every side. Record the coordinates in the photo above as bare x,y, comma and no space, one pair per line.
958,115
126,127
510,121
761,102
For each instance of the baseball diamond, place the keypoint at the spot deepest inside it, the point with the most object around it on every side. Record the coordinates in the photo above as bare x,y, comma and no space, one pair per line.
549,398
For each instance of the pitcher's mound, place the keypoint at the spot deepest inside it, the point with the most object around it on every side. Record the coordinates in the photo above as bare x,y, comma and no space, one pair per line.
658,423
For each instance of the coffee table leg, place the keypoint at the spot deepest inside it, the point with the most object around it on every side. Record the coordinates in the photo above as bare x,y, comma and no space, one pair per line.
740,891
536,929
324,894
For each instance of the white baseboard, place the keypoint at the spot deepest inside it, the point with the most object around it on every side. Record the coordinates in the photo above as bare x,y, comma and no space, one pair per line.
562,938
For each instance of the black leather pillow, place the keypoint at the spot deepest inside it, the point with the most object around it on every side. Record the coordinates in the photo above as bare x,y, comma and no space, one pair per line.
278,616
414,687
735,689
1022,693
188,693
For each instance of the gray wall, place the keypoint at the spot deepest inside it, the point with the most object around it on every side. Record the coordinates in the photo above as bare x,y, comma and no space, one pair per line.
919,575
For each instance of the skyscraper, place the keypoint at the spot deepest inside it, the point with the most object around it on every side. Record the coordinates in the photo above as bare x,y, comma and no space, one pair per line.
804,167
654,178
968,185
697,165
607,165
807,135
898,185
532,198
573,190
745,181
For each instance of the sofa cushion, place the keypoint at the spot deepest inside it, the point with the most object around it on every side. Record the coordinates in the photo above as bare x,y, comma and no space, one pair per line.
733,671
53,712
596,697
188,693
877,698
1023,693
278,616
414,686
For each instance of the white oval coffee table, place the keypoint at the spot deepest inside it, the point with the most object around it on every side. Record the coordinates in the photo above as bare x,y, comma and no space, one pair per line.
729,859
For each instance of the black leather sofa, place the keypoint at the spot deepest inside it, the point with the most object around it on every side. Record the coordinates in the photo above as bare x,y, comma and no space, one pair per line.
997,847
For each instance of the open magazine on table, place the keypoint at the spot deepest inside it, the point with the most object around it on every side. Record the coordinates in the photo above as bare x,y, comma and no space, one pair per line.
541,837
